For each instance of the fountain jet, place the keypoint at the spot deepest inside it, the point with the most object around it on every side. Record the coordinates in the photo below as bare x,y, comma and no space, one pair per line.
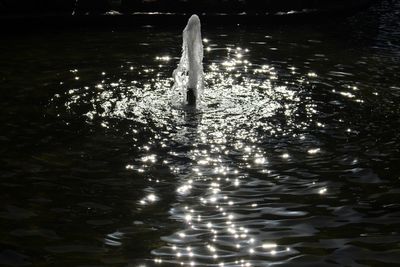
188,75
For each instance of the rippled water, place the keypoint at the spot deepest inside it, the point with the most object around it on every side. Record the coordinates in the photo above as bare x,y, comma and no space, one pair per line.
291,160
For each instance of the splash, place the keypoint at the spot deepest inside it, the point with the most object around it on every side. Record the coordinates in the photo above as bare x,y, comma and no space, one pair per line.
188,76
75,7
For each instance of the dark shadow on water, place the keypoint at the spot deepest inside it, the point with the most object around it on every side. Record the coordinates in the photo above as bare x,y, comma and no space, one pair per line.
192,116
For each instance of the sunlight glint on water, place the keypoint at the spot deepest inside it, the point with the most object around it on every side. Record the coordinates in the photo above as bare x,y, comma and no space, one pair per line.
291,161
241,100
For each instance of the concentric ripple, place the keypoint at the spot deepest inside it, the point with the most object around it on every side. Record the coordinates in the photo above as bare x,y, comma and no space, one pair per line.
247,165
213,152
289,160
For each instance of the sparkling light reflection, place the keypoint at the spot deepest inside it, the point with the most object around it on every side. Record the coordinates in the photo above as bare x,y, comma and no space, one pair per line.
213,154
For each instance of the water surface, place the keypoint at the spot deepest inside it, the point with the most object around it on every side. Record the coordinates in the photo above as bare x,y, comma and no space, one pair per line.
292,159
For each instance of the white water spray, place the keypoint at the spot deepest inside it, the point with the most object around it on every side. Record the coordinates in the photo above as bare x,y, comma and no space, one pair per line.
188,75
75,7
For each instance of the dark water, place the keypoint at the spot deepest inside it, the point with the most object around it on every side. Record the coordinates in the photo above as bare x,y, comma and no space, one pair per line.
293,160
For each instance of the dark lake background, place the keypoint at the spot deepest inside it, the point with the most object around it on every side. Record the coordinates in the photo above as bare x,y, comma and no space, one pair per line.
292,160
